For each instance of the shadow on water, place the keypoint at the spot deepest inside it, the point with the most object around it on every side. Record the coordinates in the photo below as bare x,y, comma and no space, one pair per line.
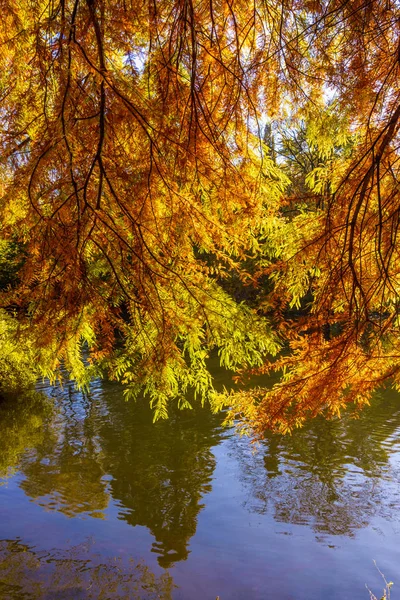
27,573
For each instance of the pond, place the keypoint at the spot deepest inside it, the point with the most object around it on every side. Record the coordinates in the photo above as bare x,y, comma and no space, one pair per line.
96,501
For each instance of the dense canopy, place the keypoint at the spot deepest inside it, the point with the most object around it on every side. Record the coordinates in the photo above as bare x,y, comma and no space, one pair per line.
179,176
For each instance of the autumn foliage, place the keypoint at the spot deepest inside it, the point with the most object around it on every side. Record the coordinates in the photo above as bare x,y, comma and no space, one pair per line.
138,180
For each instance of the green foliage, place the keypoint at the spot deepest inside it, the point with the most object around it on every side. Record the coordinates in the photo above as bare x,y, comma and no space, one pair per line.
11,260
17,358
242,338
22,361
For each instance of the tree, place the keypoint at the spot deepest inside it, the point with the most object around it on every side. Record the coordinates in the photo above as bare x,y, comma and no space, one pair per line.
135,176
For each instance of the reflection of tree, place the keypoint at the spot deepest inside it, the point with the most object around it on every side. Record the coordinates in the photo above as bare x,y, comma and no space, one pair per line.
328,474
21,427
160,471
65,471
27,573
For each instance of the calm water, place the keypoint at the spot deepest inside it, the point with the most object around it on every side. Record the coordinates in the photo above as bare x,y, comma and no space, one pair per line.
97,502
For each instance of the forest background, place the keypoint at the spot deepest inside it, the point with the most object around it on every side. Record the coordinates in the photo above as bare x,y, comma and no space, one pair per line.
185,177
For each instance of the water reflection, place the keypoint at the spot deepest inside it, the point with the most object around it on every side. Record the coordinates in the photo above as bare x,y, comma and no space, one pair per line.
28,573
331,475
81,455
161,471
21,427
92,449
66,470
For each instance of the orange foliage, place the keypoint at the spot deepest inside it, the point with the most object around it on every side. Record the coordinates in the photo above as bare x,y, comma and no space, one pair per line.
134,174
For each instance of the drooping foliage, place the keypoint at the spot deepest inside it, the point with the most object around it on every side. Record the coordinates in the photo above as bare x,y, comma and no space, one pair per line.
136,175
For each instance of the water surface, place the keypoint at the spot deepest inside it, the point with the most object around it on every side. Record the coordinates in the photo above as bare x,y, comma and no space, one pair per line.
96,501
